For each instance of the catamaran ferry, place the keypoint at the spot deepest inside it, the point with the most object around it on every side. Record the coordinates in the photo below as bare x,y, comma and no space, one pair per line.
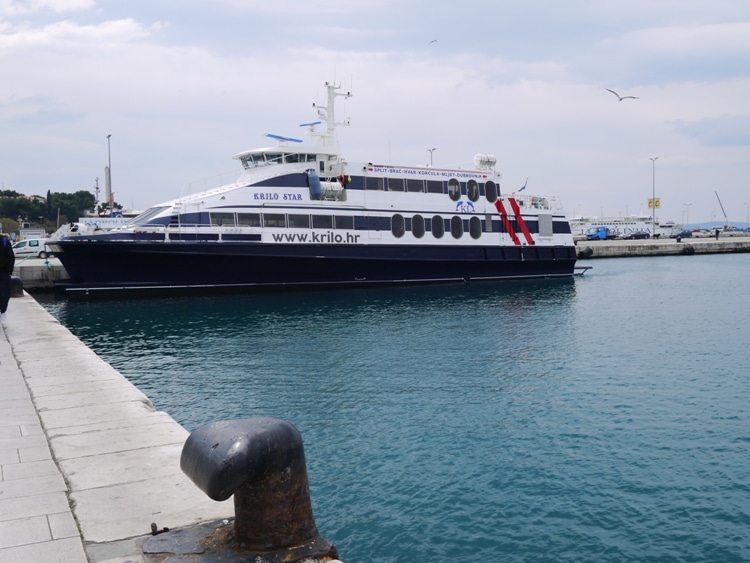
302,216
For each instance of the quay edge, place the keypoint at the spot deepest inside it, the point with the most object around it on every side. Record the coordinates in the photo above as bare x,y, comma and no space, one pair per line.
592,249
86,462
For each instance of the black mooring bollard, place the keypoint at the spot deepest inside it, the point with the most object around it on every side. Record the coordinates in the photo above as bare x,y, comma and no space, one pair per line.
261,462
16,286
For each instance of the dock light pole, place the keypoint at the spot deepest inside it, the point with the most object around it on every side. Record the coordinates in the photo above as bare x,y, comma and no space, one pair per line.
653,160
747,220
431,151
108,179
687,213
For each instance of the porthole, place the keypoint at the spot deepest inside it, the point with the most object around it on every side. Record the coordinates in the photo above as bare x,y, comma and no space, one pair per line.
438,226
472,190
417,226
457,226
398,225
454,189
490,191
475,227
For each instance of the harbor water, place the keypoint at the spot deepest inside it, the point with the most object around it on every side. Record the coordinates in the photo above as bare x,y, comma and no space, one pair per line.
605,418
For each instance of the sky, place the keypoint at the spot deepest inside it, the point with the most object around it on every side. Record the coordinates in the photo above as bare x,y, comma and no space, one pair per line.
184,85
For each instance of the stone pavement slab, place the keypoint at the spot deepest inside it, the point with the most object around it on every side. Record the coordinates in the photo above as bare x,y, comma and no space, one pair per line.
86,462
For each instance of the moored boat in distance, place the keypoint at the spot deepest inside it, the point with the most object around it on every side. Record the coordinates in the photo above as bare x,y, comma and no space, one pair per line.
301,215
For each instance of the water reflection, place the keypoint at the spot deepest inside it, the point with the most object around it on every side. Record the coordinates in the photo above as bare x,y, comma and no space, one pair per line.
198,358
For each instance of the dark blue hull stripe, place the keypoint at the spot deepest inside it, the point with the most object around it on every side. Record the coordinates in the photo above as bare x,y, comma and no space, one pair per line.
182,265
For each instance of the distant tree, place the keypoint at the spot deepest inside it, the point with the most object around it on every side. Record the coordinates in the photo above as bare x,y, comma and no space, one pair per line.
22,209
29,210
9,225
70,206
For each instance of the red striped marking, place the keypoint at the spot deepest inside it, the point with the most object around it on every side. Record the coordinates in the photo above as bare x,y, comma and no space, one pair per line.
506,222
521,222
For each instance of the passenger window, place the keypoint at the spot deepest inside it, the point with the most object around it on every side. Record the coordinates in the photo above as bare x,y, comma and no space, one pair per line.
472,190
437,226
417,226
454,189
398,226
457,226
490,191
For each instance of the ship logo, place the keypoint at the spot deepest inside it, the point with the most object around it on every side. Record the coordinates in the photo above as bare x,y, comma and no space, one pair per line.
464,207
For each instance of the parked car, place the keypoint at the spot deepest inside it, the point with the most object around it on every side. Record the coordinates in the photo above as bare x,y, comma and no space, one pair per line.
636,235
681,234
31,247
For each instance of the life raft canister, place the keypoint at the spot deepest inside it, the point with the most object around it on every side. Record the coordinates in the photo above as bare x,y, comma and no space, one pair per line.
313,181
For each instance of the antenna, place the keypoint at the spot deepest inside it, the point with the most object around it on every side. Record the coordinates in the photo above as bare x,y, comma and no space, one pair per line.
283,139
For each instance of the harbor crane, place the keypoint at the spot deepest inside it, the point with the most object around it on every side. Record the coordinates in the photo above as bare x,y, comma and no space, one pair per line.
726,221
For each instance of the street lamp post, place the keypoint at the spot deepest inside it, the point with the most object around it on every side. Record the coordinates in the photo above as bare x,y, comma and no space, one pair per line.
108,179
653,160
430,151
747,220
687,214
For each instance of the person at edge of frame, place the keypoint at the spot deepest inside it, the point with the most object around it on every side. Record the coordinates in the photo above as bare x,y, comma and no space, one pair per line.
7,263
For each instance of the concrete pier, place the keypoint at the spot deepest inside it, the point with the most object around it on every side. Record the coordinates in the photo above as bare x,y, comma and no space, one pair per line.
661,247
86,462
40,274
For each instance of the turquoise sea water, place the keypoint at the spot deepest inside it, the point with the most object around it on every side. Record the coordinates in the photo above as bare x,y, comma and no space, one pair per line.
599,419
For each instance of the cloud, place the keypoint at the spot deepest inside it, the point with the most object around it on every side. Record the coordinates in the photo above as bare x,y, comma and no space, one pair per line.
691,41
658,54
724,131
523,81
9,8
65,34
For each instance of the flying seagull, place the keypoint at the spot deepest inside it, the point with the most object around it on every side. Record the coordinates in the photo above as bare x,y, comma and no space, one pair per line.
619,97
433,41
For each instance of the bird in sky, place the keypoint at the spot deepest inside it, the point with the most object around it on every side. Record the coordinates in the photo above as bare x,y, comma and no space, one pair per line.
433,41
621,98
